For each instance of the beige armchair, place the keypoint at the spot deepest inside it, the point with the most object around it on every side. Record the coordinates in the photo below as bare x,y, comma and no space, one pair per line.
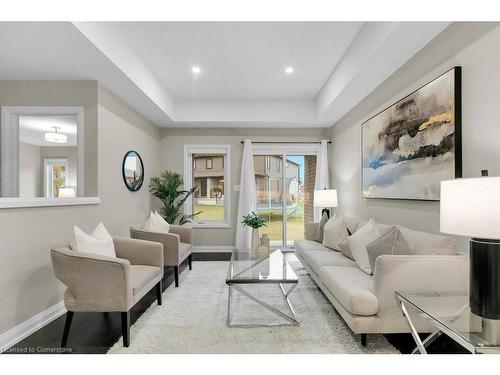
105,284
177,245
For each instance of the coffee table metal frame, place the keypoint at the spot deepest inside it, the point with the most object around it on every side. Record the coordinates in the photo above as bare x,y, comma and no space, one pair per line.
234,283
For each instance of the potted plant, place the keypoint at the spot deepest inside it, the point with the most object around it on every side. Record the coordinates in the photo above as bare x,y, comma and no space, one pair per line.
255,222
168,188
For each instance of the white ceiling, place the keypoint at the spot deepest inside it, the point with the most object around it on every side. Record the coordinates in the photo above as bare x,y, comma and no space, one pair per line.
239,61
242,83
33,128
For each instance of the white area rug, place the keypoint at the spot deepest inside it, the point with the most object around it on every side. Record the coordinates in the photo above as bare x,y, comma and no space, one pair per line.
192,319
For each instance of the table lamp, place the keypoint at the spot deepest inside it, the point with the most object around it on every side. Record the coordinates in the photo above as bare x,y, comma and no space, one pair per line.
471,207
326,198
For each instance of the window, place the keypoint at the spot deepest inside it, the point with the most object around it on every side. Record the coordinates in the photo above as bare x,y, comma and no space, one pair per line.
278,165
194,164
209,163
210,201
268,163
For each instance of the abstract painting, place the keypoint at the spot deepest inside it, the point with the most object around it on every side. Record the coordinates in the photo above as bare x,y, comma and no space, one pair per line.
410,147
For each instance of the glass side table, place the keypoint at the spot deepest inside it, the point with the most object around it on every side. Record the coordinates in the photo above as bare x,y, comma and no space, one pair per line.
450,313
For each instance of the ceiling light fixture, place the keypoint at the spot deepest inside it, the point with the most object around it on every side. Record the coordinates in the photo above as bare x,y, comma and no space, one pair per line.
196,69
55,136
289,70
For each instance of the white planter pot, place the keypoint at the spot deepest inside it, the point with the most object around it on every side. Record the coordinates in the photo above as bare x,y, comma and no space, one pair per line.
255,241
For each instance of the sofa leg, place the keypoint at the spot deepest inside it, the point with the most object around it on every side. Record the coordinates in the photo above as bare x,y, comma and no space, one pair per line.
158,292
190,261
126,328
176,276
67,326
363,339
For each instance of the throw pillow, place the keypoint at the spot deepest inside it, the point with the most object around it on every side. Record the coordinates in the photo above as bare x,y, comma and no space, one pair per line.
352,224
345,249
321,227
364,236
335,231
390,243
99,242
156,223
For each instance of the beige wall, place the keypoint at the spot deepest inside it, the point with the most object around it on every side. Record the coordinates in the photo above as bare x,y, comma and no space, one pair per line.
473,47
27,283
171,156
29,170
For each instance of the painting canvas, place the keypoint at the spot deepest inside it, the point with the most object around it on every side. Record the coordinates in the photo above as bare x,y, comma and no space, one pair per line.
410,147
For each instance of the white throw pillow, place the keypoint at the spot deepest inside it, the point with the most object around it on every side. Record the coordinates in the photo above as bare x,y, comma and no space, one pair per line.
156,223
365,235
99,242
335,232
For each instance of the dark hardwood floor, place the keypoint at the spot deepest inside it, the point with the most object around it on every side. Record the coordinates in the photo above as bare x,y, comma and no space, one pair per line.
96,333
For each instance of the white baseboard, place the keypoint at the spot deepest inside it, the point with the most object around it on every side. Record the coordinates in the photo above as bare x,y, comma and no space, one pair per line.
212,249
26,328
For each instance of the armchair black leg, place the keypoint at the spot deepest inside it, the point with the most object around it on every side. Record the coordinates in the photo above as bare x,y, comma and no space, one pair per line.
176,276
190,261
67,326
159,290
126,328
363,339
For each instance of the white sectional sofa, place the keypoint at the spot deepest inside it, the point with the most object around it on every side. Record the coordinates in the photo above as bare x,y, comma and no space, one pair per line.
367,303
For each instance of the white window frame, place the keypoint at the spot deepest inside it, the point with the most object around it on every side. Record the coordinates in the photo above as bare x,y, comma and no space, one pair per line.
9,134
189,150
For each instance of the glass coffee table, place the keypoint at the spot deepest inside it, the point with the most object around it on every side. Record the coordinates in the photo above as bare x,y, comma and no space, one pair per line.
273,269
450,313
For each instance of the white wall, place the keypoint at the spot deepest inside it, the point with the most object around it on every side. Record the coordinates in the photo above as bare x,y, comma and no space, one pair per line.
27,282
480,61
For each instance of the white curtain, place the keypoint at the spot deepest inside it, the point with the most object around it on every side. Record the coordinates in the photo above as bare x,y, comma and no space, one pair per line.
322,180
248,199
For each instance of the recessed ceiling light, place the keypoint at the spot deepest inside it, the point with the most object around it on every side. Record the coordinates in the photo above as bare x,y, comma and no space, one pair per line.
289,70
196,69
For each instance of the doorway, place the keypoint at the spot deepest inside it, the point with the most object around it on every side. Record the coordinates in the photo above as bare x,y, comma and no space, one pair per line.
284,194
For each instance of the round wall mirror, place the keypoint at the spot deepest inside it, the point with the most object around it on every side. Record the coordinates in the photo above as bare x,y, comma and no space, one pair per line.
133,171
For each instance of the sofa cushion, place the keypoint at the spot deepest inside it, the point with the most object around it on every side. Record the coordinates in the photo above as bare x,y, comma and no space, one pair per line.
424,243
141,275
303,246
352,288
320,258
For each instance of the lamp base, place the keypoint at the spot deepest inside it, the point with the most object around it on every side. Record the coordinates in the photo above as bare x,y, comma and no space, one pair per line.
484,294
327,211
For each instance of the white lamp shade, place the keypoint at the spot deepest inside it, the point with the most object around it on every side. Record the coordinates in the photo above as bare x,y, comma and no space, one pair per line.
66,192
471,207
325,198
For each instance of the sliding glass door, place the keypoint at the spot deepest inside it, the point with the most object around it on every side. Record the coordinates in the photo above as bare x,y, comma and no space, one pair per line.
284,187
